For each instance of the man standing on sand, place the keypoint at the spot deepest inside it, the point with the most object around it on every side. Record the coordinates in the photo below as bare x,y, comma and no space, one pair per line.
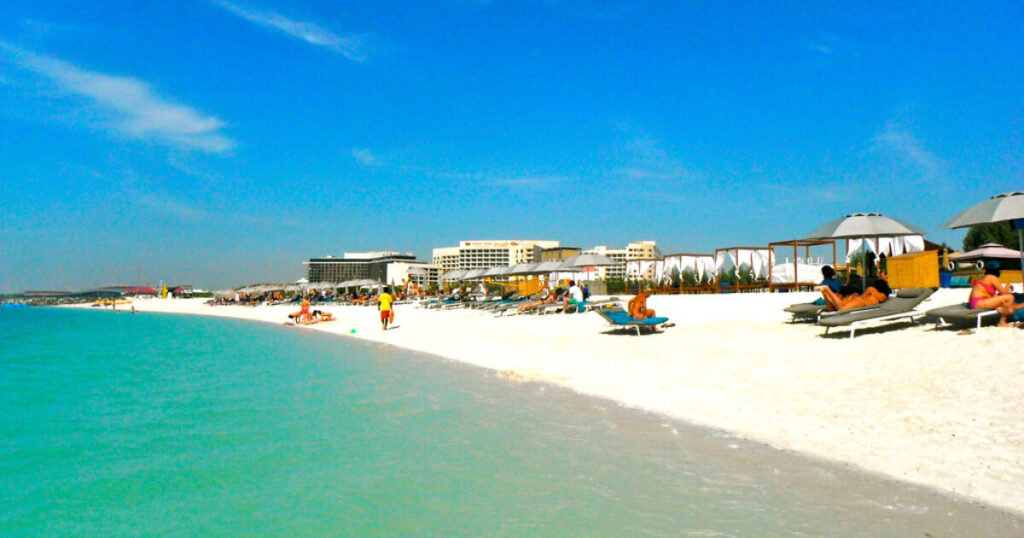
384,305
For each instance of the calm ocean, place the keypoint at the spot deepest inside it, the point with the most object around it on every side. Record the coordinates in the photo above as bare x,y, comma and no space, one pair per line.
120,424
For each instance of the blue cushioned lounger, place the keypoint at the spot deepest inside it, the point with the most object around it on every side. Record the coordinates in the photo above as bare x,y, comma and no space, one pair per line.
622,319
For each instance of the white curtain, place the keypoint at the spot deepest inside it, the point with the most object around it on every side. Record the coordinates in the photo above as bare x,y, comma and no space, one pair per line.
701,264
644,267
891,246
668,265
632,268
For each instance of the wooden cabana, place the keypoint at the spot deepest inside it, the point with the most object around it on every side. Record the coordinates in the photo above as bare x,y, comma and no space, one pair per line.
799,281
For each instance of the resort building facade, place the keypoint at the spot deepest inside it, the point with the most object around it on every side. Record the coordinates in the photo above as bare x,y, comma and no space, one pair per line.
635,250
556,254
482,254
355,266
420,273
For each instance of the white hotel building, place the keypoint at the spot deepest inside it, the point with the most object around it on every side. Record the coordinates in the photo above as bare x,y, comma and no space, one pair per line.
482,254
635,250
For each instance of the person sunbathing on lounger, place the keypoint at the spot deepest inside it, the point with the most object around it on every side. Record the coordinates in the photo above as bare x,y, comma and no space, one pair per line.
876,293
988,292
544,299
637,306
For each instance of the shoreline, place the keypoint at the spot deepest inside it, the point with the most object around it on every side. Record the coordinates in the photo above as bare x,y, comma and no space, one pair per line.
932,408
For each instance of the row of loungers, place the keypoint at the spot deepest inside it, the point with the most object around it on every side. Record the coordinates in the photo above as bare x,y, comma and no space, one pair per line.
901,307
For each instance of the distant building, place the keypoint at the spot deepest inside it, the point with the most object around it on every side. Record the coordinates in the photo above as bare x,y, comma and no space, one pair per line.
635,250
556,254
355,266
420,273
482,254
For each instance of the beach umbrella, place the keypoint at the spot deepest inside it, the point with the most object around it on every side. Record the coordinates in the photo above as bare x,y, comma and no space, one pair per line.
473,274
580,261
584,262
863,226
1007,207
454,274
521,269
988,251
548,267
496,271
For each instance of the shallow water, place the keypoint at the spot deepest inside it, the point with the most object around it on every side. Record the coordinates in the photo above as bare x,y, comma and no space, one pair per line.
158,424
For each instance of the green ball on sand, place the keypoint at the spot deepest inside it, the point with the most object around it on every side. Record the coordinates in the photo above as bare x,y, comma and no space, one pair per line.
353,331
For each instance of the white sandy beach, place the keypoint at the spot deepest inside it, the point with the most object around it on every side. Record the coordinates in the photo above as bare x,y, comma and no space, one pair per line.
935,408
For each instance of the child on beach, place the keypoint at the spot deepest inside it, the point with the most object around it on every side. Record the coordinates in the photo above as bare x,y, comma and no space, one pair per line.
384,305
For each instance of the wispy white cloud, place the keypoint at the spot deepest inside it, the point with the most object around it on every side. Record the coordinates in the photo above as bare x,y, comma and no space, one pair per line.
831,46
187,212
171,207
499,178
129,106
355,47
644,159
897,141
366,157
528,181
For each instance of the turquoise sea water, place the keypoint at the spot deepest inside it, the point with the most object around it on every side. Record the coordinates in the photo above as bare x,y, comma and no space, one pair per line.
120,424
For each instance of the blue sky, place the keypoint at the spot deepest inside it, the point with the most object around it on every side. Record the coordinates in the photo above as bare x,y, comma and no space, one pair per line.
220,143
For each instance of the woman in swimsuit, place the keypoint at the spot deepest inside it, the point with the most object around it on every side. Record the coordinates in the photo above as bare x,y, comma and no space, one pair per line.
834,301
988,292
877,292
637,306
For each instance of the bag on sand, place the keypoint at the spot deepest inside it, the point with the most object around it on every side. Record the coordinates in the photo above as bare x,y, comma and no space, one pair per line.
391,317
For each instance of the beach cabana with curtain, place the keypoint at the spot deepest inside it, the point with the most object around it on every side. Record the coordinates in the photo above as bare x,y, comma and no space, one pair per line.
799,272
702,266
758,259
646,270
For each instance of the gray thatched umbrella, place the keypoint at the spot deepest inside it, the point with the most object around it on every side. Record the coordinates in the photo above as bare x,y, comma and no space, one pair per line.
473,274
548,267
496,271
454,274
580,261
521,269
1008,207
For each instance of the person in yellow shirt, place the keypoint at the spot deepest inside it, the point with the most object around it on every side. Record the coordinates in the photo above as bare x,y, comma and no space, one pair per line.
384,305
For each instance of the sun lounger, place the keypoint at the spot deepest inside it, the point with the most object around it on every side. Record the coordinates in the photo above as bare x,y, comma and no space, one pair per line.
946,315
621,318
902,306
597,305
805,310
558,306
